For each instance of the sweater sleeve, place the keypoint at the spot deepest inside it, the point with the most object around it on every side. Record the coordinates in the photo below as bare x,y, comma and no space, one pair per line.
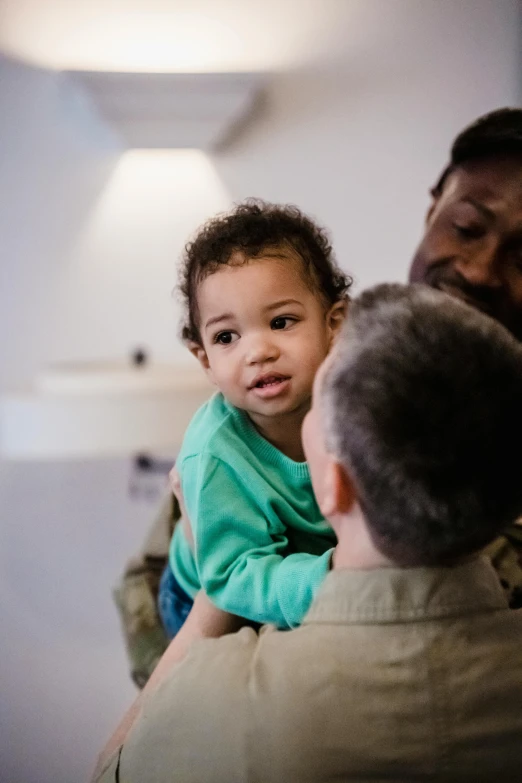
241,563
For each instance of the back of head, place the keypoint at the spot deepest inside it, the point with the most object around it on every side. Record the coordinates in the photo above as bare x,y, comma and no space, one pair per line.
423,406
496,134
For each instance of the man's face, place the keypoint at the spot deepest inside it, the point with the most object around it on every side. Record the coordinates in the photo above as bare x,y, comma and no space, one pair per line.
472,246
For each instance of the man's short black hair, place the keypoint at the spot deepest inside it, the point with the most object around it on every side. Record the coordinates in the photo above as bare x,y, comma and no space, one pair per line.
421,404
496,133
250,229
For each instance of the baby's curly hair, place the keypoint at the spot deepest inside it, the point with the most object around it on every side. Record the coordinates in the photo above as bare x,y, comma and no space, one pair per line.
250,229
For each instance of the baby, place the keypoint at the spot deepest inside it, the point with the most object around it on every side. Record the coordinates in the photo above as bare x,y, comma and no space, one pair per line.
264,301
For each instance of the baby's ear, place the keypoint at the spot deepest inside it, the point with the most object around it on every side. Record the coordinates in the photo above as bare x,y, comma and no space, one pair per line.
336,315
197,350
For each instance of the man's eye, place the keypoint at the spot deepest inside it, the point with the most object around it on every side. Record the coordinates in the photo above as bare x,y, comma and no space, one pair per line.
282,322
225,338
469,231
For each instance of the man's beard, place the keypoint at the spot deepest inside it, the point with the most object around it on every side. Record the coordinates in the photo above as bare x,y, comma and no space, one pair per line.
491,301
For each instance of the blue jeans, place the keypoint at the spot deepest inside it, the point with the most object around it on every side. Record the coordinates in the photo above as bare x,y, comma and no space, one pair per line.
174,604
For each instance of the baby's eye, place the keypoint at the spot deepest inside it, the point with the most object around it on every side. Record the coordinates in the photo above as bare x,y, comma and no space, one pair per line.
225,338
282,322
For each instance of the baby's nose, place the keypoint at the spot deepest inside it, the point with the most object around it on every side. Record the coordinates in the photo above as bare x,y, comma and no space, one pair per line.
261,348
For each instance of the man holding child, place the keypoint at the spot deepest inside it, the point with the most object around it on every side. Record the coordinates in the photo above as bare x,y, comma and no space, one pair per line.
412,443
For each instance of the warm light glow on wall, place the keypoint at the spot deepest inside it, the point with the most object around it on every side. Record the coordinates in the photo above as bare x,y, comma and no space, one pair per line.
167,187
114,291
135,42
169,35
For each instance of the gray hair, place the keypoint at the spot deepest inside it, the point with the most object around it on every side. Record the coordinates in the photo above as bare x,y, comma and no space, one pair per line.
422,405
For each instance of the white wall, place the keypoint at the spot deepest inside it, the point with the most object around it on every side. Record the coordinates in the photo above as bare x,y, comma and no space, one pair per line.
356,140
359,144
65,531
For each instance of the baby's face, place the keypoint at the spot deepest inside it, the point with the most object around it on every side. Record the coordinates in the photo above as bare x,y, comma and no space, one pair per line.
264,333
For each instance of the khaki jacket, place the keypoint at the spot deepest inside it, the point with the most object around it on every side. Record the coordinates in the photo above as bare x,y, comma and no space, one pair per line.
136,594
395,675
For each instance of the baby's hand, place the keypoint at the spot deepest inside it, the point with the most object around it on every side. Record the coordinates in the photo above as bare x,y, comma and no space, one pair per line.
175,487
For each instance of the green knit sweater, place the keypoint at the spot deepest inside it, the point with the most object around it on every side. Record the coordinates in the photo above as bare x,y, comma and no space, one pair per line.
262,548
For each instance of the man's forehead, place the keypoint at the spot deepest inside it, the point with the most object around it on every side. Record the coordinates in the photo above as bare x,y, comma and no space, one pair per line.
487,178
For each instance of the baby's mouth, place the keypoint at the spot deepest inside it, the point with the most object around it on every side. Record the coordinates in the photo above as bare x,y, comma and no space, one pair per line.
269,380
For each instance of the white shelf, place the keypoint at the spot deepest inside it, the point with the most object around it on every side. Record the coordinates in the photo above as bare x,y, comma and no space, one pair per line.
101,410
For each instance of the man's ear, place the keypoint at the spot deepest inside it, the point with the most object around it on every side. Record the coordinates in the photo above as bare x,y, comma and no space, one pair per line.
197,350
339,495
336,315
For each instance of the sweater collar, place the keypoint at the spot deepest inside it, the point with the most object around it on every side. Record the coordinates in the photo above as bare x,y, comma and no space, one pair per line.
264,450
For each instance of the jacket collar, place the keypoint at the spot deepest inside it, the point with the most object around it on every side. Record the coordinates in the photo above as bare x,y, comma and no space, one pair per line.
386,595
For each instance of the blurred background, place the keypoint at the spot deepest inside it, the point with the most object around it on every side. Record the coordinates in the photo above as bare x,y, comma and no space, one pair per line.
350,112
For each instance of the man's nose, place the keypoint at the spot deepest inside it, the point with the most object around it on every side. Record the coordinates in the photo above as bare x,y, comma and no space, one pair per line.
482,267
261,348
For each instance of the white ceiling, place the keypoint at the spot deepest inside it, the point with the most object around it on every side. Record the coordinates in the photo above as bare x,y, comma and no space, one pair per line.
171,110
190,35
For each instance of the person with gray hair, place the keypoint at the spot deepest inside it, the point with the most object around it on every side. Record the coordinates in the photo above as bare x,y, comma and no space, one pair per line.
424,394
408,664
